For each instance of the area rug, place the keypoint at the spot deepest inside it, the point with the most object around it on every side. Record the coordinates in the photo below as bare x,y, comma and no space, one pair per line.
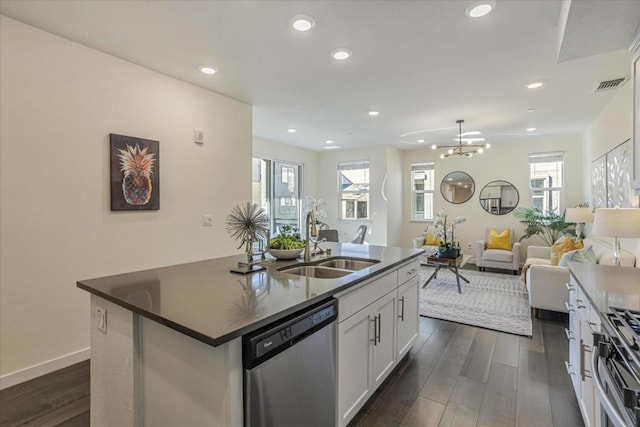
492,301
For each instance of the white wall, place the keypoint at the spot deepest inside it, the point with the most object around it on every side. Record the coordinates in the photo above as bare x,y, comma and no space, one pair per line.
267,149
503,161
328,190
393,193
613,126
60,100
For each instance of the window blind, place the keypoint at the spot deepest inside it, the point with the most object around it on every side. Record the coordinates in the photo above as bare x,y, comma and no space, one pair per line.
546,157
363,164
422,166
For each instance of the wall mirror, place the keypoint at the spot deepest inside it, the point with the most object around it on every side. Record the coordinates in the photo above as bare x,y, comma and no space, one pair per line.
499,197
457,187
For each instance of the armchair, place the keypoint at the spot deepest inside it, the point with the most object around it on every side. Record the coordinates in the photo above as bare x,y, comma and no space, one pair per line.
498,258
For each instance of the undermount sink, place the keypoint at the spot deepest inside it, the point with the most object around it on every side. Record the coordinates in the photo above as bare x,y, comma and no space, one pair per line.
331,268
348,263
316,271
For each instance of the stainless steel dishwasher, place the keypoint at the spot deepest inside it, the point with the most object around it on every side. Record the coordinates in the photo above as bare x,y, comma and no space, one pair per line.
290,370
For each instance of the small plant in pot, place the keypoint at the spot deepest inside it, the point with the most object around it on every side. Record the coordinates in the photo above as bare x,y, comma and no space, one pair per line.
446,233
287,244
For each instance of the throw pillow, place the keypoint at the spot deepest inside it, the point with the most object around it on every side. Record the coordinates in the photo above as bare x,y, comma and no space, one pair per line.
558,249
431,240
586,256
499,241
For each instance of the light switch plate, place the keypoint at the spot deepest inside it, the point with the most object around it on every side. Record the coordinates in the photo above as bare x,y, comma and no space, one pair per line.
102,318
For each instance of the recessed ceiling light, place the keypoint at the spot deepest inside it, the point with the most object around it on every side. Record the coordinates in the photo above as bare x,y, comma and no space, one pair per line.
291,130
208,69
373,113
531,129
341,53
302,22
531,110
535,85
420,141
480,8
328,141
330,147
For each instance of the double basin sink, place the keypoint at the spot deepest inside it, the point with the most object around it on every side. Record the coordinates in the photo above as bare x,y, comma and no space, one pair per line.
329,268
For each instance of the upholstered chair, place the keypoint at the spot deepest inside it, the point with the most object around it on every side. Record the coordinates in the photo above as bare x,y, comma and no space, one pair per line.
498,258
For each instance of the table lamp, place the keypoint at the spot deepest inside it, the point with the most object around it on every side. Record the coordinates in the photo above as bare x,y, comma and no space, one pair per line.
617,222
579,216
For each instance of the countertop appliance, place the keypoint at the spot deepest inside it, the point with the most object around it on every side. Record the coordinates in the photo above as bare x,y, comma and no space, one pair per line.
290,370
616,368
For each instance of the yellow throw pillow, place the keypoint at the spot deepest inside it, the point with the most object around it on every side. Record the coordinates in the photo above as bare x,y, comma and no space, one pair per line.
431,240
499,241
559,249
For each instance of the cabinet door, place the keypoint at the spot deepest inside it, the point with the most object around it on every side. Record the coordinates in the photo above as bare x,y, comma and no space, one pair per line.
408,295
384,349
574,340
355,336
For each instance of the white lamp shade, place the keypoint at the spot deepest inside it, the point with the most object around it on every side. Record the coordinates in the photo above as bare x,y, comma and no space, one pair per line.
618,222
577,215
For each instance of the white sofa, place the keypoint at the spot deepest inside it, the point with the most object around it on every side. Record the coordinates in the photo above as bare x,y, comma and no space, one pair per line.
546,284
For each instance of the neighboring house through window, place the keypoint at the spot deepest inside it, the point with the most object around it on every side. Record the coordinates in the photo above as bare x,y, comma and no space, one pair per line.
547,181
276,188
353,187
422,187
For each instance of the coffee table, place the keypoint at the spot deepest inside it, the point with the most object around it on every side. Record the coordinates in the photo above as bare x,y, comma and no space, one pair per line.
451,264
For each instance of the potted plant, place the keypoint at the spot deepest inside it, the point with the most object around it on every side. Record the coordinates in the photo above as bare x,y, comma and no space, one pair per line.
549,225
446,233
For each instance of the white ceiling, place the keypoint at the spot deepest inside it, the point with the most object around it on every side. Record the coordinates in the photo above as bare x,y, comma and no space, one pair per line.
422,64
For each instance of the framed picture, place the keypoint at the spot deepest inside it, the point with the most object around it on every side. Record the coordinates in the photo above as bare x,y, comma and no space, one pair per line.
135,173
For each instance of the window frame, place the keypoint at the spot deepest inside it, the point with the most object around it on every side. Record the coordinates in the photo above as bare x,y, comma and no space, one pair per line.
428,167
354,165
548,157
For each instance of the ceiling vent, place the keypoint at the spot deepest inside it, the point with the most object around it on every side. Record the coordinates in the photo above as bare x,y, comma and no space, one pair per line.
610,84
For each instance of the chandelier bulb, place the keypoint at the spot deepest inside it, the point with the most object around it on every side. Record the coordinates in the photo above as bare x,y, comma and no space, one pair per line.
487,145
442,156
434,147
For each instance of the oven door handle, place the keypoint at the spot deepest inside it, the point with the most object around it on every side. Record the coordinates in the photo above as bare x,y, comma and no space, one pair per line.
608,407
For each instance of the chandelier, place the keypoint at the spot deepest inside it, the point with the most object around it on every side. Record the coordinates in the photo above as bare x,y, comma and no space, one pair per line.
467,150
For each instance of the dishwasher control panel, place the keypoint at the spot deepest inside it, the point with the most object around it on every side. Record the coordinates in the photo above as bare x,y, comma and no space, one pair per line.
288,331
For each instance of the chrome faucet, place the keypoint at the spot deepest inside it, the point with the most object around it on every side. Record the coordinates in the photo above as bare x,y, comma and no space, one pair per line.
309,228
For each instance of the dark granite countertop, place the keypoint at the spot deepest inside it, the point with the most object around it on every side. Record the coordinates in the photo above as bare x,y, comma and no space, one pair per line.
205,301
608,286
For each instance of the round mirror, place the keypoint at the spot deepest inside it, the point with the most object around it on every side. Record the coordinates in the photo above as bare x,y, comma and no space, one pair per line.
457,187
499,197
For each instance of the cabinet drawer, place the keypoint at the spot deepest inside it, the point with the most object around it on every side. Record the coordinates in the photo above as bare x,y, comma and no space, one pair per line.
355,301
408,271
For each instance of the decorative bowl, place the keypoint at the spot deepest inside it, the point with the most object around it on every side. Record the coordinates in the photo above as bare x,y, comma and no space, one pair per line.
286,253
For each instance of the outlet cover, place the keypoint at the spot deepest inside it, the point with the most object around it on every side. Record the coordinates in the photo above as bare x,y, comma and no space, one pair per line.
207,220
198,136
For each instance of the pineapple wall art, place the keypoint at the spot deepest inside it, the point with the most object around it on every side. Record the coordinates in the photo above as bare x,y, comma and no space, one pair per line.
135,173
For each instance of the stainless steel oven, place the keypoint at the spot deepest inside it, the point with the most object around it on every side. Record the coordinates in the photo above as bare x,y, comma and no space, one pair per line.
616,369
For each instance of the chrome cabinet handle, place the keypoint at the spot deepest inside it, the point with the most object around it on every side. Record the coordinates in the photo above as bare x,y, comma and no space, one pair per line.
411,272
579,302
379,326
608,407
569,307
568,334
569,287
568,366
401,316
583,370
375,330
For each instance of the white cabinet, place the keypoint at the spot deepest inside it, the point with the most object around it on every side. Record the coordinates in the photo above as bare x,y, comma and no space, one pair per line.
583,322
408,298
377,325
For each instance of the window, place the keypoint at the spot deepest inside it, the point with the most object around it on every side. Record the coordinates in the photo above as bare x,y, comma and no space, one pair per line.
422,185
353,182
546,181
276,188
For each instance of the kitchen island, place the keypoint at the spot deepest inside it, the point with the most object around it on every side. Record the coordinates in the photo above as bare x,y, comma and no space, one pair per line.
166,342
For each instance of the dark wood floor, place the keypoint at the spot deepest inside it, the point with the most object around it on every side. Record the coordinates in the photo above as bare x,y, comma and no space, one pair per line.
456,375
460,375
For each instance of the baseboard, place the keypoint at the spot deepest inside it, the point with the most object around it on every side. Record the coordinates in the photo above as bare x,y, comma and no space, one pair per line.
35,371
